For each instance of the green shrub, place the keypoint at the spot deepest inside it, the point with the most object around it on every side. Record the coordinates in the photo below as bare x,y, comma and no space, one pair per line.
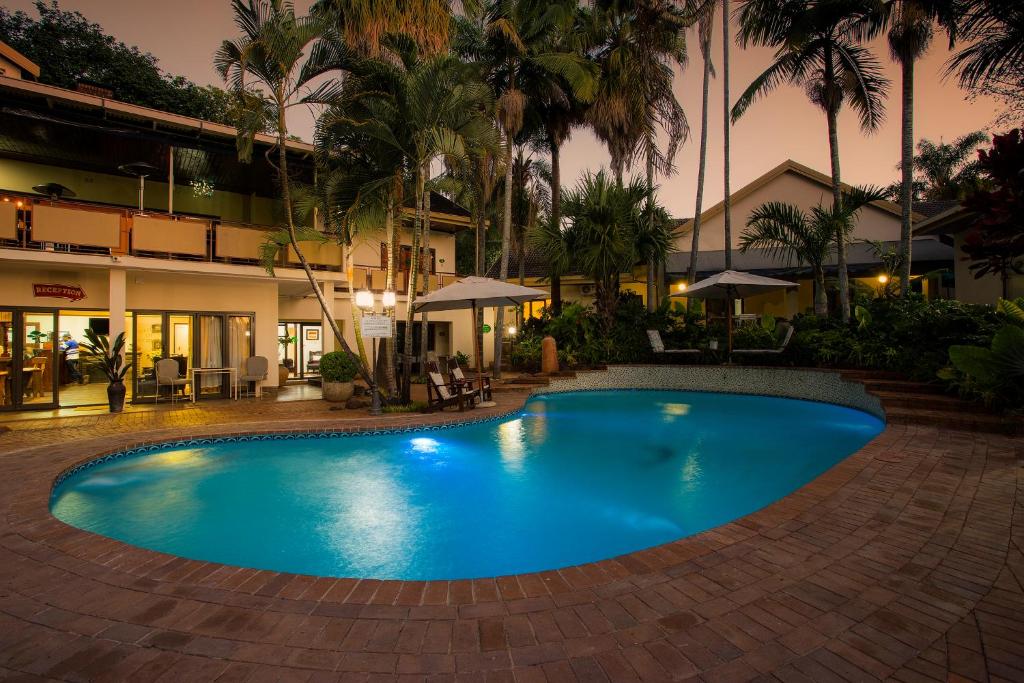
338,366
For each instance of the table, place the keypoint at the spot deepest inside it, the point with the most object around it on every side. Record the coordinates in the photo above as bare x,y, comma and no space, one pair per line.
231,372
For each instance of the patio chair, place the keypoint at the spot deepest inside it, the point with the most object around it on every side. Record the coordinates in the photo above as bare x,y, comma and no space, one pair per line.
787,334
255,371
441,394
660,352
455,370
167,374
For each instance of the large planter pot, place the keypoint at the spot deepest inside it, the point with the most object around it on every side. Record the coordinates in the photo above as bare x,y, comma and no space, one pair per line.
115,396
337,392
282,376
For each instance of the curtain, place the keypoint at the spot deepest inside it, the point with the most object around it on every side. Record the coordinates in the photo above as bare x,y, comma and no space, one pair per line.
210,355
238,341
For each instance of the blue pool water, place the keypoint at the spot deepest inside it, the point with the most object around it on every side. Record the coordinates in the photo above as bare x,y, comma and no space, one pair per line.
573,478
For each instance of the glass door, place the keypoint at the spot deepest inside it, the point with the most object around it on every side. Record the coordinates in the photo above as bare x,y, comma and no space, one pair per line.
28,359
145,348
311,340
211,355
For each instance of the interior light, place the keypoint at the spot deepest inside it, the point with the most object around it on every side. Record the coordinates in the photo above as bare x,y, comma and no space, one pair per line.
364,298
389,299
883,279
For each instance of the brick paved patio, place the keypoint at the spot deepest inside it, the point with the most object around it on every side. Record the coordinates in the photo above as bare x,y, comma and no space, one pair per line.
904,561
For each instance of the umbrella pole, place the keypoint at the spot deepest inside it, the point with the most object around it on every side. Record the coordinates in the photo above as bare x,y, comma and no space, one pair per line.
478,350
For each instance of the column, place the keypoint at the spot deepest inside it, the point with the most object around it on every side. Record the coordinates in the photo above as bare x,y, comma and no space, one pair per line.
327,335
117,296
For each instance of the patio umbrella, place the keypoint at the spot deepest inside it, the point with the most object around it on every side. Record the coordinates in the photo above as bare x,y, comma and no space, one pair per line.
729,285
474,293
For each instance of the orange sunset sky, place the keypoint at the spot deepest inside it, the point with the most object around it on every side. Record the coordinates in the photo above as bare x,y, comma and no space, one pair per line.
183,35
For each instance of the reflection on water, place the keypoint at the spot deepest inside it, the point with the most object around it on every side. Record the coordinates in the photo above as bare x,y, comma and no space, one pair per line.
511,445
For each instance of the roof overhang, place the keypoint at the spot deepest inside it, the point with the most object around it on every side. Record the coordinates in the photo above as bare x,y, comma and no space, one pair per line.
19,60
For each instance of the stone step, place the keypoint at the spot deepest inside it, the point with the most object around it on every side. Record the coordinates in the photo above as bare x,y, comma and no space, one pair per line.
902,386
950,419
861,375
898,399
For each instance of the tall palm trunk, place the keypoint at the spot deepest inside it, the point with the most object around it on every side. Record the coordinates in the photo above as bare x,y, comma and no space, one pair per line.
907,176
727,202
844,280
425,264
506,239
691,273
286,198
652,265
820,297
414,271
389,343
556,219
357,313
481,257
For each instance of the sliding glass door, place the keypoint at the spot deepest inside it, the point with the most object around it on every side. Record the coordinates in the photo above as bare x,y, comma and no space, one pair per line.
28,359
300,346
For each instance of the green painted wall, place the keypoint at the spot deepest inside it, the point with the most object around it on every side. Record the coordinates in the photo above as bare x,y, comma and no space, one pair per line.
20,176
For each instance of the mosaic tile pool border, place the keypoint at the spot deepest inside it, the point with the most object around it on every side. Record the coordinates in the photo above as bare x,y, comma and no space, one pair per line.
326,433
811,385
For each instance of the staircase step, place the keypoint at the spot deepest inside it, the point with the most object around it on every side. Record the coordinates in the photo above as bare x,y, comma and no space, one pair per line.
902,386
899,399
955,419
861,375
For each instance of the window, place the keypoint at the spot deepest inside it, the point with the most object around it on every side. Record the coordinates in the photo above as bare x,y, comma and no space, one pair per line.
404,258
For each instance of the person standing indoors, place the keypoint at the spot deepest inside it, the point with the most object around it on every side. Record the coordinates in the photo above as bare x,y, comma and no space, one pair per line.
70,348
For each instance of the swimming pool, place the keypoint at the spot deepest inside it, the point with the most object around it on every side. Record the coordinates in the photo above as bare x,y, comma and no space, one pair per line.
571,478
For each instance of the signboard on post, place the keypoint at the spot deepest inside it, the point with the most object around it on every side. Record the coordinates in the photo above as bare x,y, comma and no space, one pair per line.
375,326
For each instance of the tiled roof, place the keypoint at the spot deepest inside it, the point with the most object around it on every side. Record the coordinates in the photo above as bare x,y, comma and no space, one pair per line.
934,208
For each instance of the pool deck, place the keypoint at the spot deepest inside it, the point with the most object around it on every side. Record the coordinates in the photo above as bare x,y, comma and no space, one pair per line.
905,561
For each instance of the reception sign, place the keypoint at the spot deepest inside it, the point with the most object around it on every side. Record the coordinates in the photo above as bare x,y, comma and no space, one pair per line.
72,292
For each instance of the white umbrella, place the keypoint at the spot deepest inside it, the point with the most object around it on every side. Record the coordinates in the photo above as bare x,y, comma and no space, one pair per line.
729,285
474,293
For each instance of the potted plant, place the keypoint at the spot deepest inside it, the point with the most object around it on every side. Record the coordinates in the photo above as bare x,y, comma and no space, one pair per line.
282,369
109,358
337,370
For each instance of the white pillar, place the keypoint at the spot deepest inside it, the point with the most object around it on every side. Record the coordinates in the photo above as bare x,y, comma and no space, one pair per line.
327,333
117,297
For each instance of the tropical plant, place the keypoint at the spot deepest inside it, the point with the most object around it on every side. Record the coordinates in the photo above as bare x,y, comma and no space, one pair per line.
816,49
996,373
336,366
947,170
610,233
995,241
1013,310
269,68
366,25
510,41
789,234
993,59
109,358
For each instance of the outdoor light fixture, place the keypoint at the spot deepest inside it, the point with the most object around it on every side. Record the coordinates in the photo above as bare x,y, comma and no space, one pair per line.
681,286
883,279
389,299
364,299
512,330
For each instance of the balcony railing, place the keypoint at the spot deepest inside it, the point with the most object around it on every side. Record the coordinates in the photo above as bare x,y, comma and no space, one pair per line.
78,228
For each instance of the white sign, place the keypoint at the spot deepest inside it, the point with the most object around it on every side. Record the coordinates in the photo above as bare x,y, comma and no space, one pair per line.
375,326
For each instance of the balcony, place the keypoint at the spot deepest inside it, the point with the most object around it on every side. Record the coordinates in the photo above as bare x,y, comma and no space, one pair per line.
79,228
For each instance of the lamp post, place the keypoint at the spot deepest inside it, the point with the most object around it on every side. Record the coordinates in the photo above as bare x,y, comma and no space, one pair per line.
365,301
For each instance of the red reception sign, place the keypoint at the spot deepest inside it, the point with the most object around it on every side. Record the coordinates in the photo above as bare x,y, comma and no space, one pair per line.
73,292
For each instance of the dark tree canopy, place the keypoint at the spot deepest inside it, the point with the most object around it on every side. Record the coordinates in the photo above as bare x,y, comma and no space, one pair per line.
70,49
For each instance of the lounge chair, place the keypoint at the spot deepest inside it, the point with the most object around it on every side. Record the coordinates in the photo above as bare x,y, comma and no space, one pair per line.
455,370
441,394
661,352
786,336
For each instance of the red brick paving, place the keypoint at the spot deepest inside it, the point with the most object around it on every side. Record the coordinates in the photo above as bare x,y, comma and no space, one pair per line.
903,562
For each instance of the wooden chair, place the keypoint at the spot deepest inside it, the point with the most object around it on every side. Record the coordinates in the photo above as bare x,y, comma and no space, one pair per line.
441,394
455,371
661,353
787,334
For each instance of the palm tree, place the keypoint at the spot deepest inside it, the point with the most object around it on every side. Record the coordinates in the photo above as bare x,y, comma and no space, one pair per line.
816,50
511,44
704,31
267,68
726,131
947,170
790,234
366,24
910,28
610,233
994,31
